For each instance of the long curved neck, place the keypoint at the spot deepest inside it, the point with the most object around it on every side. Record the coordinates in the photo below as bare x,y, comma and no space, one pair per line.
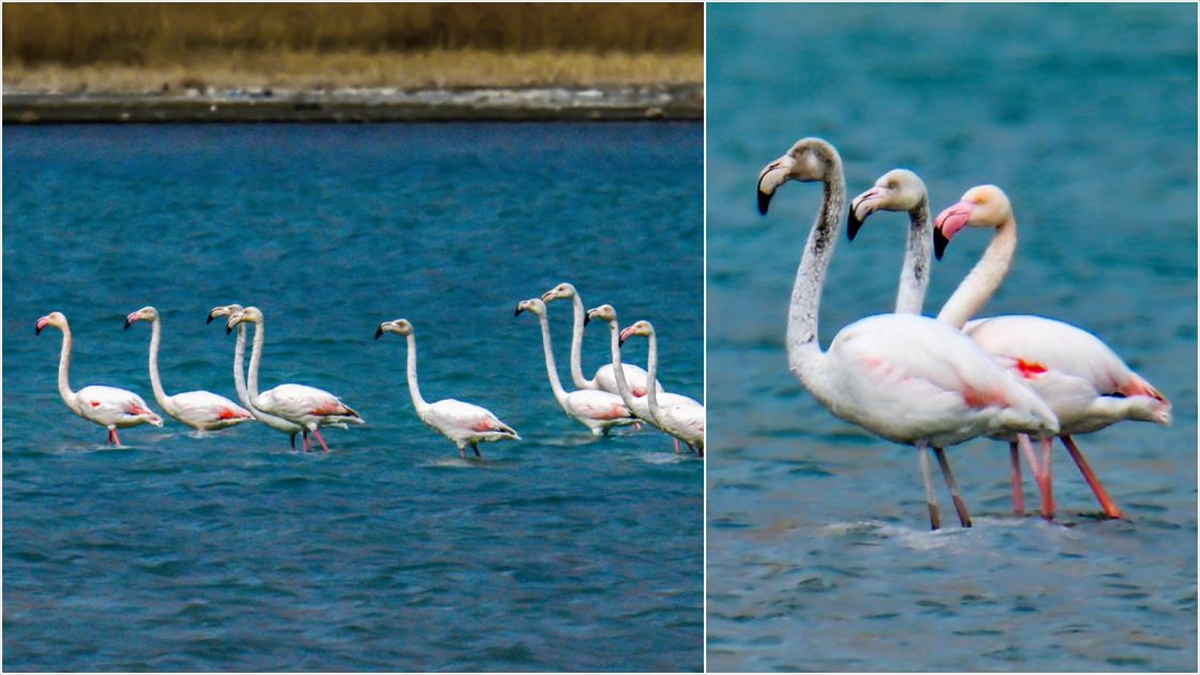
255,357
914,277
239,375
577,377
804,350
155,381
64,366
551,370
414,390
651,376
978,287
623,389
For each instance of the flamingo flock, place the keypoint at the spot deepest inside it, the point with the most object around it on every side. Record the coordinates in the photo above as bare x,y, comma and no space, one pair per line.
618,395
932,383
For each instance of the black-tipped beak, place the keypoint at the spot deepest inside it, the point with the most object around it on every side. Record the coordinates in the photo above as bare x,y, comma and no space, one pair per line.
37,330
587,318
518,312
852,224
764,200
128,323
939,243
621,341
210,318
379,332
228,329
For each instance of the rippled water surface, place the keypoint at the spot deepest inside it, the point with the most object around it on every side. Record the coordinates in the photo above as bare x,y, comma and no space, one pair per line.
819,556
231,552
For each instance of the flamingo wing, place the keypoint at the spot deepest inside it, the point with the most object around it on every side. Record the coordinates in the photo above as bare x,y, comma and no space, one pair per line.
114,407
635,376
597,405
207,410
465,420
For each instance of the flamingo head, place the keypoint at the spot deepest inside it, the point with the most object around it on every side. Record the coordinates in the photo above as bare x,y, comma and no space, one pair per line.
144,314
981,206
810,159
223,310
534,305
603,313
251,314
559,292
56,319
640,328
896,190
399,327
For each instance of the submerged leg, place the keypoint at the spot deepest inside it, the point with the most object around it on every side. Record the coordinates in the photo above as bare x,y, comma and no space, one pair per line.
935,521
1039,475
113,439
1110,508
959,505
1018,491
475,447
293,439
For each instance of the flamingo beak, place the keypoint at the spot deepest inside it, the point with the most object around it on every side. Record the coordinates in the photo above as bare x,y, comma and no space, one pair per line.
548,296
379,332
587,318
624,336
41,323
861,209
769,180
211,316
129,320
948,223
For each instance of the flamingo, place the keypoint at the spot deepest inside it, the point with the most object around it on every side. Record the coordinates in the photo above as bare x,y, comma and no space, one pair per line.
239,377
302,405
1087,385
904,377
463,423
684,421
639,405
604,379
110,407
200,410
599,411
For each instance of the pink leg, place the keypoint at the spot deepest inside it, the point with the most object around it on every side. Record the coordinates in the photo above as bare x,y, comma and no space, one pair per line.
959,505
1017,488
113,439
1039,475
306,440
676,442
935,519
1048,487
1110,508
318,435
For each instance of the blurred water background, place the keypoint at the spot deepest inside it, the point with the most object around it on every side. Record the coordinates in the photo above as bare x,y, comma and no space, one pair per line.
231,552
819,556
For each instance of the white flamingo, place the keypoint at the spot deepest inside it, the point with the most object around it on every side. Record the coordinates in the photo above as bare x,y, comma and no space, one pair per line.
604,379
200,410
110,407
598,410
907,378
239,378
1087,385
465,424
305,406
683,420
641,406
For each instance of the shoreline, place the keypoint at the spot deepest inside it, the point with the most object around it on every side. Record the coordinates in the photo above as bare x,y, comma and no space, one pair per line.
479,104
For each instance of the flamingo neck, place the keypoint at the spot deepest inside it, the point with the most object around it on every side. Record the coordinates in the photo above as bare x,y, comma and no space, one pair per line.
560,394
255,358
914,277
623,389
981,283
239,375
651,377
413,389
804,350
155,381
64,367
577,377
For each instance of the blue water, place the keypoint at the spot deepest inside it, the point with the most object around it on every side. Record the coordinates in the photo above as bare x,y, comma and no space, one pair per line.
231,552
819,556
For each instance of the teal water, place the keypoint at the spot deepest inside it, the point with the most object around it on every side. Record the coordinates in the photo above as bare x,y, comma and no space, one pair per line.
231,552
819,557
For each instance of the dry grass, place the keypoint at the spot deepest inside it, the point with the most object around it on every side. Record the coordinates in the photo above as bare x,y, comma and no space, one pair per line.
469,68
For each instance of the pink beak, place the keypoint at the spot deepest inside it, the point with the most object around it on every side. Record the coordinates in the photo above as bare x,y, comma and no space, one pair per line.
948,223
41,323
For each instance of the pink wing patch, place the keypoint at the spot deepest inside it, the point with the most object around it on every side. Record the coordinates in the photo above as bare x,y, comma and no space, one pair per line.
332,408
135,409
640,391
483,425
1029,369
982,399
95,404
229,414
617,412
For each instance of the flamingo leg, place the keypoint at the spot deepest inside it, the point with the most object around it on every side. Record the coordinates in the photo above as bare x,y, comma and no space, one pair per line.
959,505
475,447
677,446
293,441
1043,483
935,520
318,435
1046,480
1110,508
306,440
113,439
1017,490
462,451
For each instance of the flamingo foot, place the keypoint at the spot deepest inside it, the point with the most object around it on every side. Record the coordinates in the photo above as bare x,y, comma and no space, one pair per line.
960,506
1018,492
1110,508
